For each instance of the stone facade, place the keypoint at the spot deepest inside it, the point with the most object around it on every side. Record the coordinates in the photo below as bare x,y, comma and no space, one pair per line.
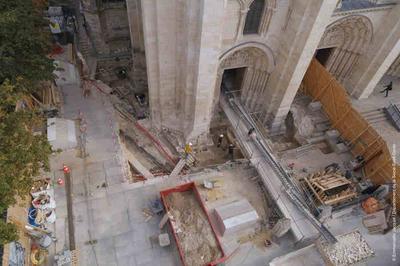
184,47
107,26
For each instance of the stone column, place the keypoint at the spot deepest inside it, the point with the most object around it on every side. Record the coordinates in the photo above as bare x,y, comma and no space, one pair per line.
242,20
269,9
298,44
383,51
150,29
182,42
139,74
210,32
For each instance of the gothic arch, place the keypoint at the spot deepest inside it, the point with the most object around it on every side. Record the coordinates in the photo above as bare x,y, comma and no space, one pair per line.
259,63
350,37
257,47
269,7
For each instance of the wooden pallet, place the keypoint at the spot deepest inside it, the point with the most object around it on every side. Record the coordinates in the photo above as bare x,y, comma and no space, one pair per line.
329,188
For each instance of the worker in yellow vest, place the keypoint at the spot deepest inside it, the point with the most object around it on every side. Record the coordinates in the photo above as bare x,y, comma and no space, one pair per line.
188,149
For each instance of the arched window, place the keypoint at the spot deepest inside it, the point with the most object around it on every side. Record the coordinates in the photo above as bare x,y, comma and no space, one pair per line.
253,17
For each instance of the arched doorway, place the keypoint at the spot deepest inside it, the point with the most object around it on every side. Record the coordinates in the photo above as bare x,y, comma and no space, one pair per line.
245,71
342,44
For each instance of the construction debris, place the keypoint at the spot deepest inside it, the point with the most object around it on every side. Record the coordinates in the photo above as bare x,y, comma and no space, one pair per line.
164,220
194,234
63,258
163,240
281,227
350,248
260,238
375,222
148,214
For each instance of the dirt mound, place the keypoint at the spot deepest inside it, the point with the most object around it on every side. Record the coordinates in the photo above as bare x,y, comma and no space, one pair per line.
194,232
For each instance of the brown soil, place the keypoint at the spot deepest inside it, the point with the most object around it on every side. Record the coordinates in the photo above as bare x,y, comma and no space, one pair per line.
194,232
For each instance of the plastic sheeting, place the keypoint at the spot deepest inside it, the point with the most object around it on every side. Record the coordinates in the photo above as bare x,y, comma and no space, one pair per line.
17,254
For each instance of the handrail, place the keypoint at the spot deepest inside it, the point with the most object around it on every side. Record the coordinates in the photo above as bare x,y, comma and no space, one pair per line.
294,193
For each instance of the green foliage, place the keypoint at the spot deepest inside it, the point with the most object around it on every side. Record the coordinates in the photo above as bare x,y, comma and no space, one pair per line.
8,232
24,44
22,155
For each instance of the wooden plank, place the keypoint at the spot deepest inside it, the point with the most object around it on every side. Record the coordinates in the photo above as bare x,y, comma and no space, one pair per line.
337,122
359,135
379,168
323,90
377,138
313,190
136,163
340,198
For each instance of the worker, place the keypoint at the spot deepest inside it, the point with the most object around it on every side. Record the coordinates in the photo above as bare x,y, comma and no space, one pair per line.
220,138
231,147
387,89
251,133
86,88
251,130
188,149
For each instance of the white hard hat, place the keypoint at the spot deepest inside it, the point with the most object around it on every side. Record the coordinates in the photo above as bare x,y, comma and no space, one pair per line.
190,144
222,135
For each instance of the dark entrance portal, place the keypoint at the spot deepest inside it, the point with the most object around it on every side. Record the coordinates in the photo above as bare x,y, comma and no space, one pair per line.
232,79
322,55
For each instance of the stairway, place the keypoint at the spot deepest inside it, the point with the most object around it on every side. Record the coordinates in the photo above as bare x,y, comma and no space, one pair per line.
84,45
374,116
178,167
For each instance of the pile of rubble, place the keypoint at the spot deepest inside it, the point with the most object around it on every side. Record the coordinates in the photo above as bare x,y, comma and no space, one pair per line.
351,248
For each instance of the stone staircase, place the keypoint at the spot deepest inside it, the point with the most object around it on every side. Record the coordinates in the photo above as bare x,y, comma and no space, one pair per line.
84,46
377,115
374,116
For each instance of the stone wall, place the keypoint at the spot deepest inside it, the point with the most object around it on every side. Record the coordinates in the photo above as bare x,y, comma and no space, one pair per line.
304,27
95,32
107,27
378,58
187,45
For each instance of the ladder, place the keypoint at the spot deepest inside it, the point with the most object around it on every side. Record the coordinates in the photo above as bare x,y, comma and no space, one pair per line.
178,167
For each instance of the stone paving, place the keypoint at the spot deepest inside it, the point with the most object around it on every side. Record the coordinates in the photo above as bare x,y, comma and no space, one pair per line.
110,228
109,224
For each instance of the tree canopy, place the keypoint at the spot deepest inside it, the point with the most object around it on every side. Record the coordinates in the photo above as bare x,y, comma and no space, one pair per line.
24,45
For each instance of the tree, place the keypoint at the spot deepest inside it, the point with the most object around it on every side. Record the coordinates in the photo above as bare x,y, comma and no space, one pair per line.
22,154
8,232
24,45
